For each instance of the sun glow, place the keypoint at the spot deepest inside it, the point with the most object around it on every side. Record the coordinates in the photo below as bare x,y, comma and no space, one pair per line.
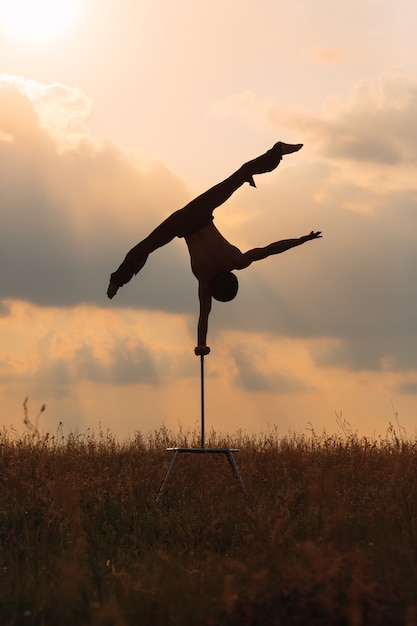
37,20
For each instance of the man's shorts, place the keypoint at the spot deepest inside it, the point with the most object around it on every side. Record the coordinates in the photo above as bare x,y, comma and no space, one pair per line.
191,219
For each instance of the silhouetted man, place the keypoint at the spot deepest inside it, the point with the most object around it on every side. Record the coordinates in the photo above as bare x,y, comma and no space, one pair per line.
212,257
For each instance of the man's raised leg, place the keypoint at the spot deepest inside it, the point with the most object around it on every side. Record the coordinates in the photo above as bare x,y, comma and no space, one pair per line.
270,160
267,162
137,256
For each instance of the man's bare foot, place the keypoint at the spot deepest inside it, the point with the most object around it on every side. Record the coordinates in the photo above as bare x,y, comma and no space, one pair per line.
288,148
112,289
269,161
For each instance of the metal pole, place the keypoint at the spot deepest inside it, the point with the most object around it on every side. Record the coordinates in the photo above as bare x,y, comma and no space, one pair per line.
202,399
227,451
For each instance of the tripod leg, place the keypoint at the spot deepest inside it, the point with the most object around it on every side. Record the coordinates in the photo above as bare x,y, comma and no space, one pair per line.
167,475
236,472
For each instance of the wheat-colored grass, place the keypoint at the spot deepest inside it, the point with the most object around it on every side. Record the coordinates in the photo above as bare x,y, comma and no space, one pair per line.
330,536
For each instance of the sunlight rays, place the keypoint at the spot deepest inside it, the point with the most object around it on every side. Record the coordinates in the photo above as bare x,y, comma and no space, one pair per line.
37,21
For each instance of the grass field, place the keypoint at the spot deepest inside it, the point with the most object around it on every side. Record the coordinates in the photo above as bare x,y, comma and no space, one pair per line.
330,536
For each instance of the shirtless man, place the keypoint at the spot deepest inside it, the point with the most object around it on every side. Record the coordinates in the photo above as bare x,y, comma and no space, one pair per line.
212,257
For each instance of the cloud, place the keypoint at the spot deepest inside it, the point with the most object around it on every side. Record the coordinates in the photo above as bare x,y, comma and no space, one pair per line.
61,110
357,284
52,350
127,365
407,387
4,309
72,209
124,365
251,376
376,125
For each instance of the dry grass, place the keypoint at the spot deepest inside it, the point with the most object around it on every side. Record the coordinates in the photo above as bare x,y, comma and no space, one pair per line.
330,538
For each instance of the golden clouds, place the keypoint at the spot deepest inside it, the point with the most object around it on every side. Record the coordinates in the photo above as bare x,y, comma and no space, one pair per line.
66,198
317,320
61,110
49,352
375,125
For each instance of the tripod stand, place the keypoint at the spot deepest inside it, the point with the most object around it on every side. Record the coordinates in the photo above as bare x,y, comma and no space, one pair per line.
228,452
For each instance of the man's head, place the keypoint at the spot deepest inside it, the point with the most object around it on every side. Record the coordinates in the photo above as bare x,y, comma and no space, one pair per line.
224,286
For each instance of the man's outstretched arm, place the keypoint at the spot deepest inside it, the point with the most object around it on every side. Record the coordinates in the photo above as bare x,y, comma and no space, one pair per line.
204,295
257,254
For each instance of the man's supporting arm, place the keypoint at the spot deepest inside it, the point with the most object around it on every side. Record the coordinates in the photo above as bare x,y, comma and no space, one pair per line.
204,295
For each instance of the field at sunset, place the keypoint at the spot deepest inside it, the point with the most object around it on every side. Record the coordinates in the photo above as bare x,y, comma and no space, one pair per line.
329,536
115,114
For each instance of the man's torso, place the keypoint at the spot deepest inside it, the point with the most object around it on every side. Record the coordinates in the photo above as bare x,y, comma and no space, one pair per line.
211,253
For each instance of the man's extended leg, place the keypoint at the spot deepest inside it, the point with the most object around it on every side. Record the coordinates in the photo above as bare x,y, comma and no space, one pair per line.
137,256
221,192
270,160
196,214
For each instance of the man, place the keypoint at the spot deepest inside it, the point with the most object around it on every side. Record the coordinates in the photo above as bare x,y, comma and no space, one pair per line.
212,257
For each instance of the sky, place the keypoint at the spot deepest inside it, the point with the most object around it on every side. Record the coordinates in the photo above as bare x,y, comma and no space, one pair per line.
115,113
